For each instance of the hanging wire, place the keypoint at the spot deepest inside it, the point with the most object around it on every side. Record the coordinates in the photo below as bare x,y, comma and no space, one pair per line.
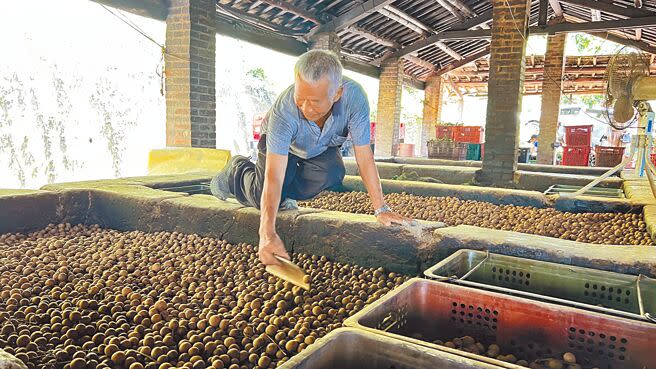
132,25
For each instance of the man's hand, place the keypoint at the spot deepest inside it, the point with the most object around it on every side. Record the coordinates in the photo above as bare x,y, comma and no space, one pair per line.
391,218
270,245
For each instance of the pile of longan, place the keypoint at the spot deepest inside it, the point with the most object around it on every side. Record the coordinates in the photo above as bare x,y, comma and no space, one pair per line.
82,297
599,228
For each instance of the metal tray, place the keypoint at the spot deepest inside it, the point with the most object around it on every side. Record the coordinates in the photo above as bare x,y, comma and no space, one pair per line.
528,329
625,295
615,193
348,348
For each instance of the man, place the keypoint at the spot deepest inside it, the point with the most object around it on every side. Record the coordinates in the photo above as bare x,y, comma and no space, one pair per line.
299,149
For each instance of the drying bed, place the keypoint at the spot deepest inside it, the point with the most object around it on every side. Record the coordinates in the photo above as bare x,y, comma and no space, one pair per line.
612,228
84,297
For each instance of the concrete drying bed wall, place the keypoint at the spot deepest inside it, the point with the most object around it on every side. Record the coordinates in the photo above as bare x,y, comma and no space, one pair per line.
593,171
131,203
527,180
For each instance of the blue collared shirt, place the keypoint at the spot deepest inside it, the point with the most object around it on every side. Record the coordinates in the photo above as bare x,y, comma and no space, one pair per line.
287,131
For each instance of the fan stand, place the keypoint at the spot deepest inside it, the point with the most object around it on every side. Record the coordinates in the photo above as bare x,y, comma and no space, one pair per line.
641,145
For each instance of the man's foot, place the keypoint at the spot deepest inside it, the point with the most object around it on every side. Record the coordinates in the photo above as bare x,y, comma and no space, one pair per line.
288,204
219,186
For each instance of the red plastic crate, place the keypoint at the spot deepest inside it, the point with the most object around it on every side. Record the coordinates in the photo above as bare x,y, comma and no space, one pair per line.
468,134
578,135
444,132
608,156
578,156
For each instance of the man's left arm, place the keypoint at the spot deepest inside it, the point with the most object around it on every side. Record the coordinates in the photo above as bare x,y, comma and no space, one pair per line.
359,128
369,173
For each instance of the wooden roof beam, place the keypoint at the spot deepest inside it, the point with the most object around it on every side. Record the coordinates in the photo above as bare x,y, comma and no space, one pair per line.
612,9
420,62
373,37
406,20
555,5
451,9
619,24
464,8
640,45
399,16
292,9
353,16
455,32
455,65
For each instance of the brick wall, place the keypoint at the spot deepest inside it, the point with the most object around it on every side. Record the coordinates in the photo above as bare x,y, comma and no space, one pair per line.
389,108
507,49
432,111
190,74
551,87
326,41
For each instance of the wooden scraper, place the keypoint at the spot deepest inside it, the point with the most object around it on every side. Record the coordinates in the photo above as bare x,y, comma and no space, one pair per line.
289,272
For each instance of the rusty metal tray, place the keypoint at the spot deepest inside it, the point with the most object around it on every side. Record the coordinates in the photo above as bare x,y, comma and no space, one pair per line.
525,328
625,295
348,348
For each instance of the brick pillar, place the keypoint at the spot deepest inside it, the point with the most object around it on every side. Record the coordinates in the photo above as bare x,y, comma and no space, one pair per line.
554,61
432,111
190,74
505,85
326,41
389,108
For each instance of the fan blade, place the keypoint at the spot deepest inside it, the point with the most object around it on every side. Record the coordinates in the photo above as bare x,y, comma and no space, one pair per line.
623,110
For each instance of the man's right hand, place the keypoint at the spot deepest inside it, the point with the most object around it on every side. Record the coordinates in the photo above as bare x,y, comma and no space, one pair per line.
270,245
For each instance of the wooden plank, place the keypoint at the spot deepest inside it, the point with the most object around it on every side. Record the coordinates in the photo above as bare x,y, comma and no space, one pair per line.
602,26
542,16
468,59
373,37
458,31
640,45
290,8
555,5
612,9
354,15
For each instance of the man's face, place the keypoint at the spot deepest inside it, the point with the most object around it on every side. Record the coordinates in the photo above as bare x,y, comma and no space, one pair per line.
313,98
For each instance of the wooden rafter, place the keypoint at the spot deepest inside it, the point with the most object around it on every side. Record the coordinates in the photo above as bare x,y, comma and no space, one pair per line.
479,54
470,23
555,5
404,21
612,9
420,62
354,15
408,18
451,9
292,9
373,37
464,8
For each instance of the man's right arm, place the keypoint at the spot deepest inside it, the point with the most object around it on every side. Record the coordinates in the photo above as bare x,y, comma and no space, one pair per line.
270,242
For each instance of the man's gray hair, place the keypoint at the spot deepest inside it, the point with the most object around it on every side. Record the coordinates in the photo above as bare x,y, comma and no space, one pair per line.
315,64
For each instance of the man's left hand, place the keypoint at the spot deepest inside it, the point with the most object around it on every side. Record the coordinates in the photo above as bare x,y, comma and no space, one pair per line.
390,218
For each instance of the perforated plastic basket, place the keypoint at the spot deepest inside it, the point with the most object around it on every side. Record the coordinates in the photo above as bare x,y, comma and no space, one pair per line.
348,348
607,292
421,311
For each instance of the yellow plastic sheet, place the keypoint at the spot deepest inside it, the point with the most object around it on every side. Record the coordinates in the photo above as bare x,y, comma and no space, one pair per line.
181,160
